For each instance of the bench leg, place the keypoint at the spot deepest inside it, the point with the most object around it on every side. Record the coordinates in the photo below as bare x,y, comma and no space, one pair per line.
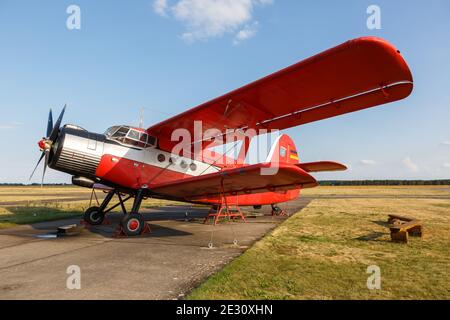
416,231
400,236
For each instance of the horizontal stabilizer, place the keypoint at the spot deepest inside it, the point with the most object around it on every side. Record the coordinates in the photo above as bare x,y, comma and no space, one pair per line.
322,166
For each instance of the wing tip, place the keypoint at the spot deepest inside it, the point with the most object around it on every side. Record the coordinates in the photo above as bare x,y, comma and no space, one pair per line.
390,50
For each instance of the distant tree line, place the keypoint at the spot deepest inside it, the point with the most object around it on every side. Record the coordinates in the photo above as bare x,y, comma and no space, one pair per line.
385,182
322,183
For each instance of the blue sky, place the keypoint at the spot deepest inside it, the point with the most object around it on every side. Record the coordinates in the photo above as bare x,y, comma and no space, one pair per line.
172,55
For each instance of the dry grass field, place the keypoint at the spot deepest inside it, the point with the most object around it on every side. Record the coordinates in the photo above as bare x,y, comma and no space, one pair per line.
373,191
323,252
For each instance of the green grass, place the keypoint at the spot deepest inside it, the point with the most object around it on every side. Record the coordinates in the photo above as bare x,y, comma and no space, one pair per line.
28,215
323,253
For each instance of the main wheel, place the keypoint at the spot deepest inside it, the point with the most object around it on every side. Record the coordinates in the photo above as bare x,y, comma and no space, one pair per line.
133,224
94,216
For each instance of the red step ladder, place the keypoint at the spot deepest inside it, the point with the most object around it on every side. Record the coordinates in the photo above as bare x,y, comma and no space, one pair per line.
224,210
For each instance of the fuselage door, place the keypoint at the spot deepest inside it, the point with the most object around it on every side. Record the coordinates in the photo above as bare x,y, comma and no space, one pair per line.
92,142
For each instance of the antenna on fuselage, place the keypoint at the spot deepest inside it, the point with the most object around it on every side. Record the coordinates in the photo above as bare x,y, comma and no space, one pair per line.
141,118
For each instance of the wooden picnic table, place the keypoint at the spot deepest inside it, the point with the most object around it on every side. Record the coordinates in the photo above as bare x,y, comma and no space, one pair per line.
402,227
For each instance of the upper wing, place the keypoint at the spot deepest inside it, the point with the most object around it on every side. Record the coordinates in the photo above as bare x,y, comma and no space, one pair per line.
358,74
243,180
321,166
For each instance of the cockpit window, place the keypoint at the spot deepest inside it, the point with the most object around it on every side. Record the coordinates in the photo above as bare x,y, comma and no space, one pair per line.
143,138
130,136
111,130
121,132
133,134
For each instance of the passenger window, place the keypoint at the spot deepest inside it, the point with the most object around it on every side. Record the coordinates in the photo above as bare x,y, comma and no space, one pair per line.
161,157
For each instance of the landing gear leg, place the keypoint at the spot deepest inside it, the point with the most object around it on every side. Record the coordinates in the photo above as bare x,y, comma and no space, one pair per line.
94,216
133,223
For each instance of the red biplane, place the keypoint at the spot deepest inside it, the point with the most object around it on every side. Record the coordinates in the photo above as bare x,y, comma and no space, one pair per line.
136,163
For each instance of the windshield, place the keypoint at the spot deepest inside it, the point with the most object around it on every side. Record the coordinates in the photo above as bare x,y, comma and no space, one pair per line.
130,136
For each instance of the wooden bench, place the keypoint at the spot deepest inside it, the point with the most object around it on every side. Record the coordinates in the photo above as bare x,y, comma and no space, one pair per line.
402,227
393,218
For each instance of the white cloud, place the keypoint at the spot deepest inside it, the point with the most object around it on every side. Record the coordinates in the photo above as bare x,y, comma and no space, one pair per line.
11,125
160,7
446,143
368,162
410,164
246,33
447,165
204,19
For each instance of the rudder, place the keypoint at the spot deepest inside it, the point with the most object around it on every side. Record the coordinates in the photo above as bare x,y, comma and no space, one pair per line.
283,150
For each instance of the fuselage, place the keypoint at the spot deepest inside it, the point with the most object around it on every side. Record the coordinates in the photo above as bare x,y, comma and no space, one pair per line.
100,159
94,156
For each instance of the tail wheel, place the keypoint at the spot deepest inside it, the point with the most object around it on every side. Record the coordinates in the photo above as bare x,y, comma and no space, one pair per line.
276,210
94,216
133,224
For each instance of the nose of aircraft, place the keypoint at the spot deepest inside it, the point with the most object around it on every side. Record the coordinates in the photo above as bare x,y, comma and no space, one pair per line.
41,144
45,144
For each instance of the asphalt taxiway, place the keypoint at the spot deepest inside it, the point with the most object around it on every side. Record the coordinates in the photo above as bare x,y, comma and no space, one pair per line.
164,264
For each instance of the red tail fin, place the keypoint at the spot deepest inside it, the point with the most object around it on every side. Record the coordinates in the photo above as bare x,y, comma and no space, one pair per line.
283,150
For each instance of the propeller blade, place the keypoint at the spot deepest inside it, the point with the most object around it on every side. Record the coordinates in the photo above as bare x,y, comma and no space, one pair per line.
52,134
46,153
55,130
49,124
39,161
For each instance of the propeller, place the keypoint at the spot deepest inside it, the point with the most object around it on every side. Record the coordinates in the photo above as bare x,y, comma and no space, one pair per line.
45,144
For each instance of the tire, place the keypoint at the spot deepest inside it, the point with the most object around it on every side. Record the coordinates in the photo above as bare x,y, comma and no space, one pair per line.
133,224
94,216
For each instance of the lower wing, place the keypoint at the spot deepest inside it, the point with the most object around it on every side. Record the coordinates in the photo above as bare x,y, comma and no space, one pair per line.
245,180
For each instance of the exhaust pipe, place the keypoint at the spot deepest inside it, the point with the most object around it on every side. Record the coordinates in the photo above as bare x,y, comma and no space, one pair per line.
83,182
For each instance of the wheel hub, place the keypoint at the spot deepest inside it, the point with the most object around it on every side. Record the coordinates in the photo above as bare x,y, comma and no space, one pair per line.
95,216
133,224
